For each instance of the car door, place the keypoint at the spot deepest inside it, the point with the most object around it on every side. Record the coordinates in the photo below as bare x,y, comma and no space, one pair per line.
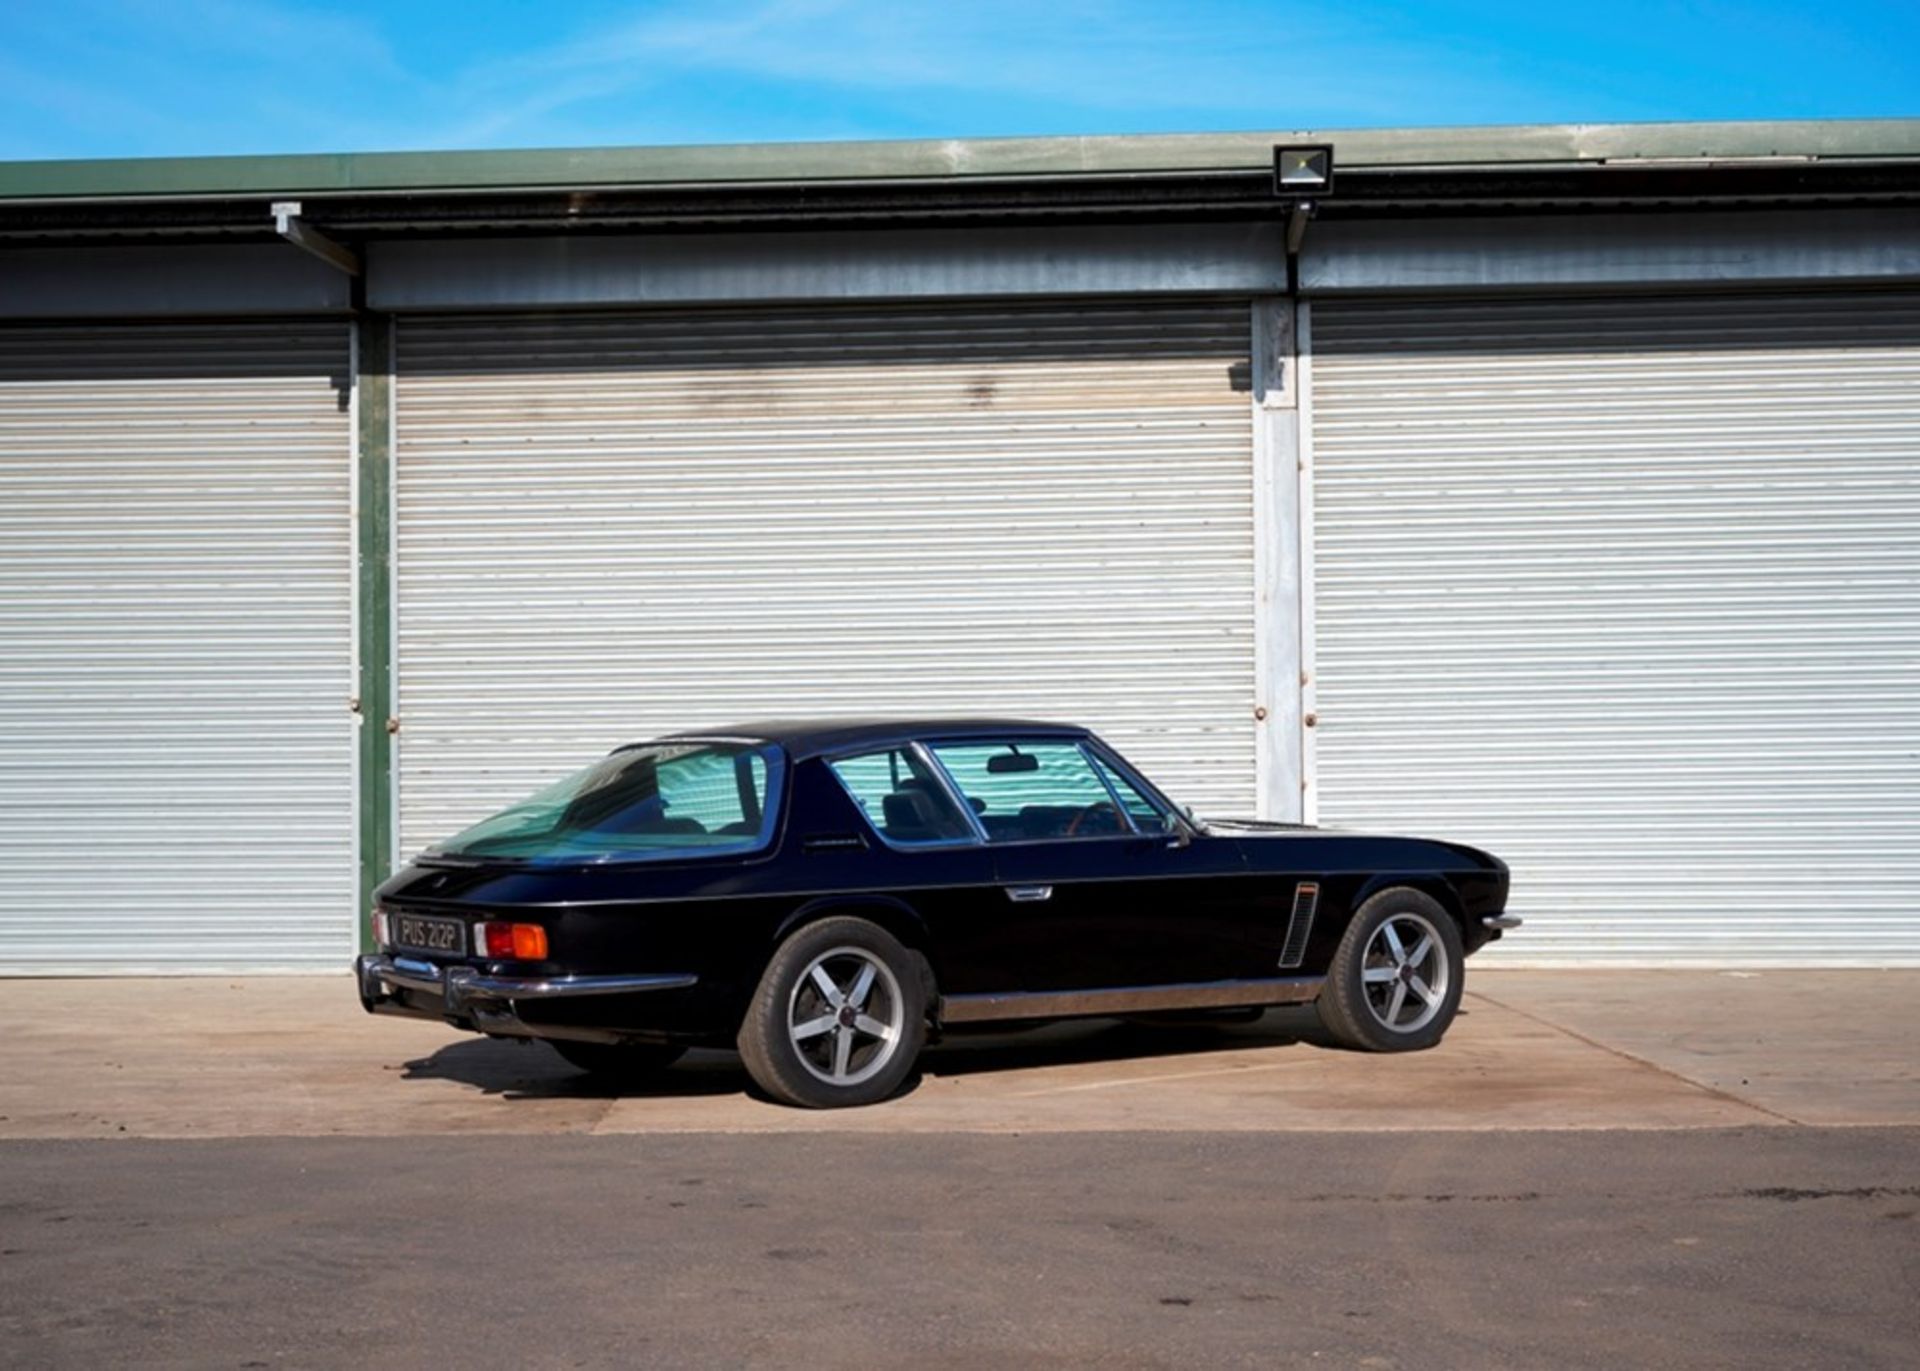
929,857
1111,890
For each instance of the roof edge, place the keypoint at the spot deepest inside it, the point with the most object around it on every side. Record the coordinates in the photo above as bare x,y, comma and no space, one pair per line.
320,174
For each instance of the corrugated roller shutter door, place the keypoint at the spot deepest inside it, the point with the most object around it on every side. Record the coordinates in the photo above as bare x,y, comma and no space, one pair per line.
176,756
1628,591
614,525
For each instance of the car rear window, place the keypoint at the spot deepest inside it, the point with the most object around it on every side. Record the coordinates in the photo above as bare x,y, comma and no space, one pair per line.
669,799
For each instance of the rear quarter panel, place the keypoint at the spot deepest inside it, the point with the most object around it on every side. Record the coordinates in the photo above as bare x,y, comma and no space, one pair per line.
721,918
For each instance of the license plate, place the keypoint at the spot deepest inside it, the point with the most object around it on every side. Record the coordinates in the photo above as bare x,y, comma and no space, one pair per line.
446,936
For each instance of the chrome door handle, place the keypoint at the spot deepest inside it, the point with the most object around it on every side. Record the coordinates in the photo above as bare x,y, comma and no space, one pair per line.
1029,894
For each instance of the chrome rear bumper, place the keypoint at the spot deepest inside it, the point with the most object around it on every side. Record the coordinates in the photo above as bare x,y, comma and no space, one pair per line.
487,1001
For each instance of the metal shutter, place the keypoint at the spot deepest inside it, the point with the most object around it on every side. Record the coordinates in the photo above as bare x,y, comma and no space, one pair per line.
176,755
1628,591
614,525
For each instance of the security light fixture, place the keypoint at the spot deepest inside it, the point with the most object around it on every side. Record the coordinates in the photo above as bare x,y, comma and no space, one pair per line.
1303,173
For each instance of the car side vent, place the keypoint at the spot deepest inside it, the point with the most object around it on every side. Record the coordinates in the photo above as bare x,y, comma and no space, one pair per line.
832,842
1306,898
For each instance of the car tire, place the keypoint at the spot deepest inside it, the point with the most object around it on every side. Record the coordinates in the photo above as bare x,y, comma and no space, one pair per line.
1395,982
618,1061
839,1017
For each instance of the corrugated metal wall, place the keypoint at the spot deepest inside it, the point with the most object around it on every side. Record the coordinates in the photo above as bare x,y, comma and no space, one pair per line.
1628,590
176,755
614,525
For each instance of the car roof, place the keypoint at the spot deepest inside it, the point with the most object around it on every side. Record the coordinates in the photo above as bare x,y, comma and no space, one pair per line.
810,737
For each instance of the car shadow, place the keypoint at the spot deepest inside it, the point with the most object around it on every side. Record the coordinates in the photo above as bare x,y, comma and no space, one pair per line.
521,1070
1110,1040
525,1070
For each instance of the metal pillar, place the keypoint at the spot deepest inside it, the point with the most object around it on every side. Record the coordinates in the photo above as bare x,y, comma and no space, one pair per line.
1276,531
373,504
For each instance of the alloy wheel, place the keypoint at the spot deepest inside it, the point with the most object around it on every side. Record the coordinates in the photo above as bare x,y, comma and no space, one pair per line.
1405,973
845,1017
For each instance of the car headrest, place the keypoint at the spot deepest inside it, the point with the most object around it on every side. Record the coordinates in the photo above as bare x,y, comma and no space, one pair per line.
908,809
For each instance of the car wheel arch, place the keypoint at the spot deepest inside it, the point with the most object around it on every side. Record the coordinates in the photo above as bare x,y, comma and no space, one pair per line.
894,915
1429,883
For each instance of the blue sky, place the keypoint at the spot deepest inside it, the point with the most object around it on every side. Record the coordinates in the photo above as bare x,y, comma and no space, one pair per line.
106,78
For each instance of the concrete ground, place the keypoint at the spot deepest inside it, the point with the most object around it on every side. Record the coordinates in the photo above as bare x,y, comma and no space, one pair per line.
1542,1049
1596,1168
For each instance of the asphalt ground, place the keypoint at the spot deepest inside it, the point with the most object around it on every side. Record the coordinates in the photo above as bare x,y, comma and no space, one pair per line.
1764,1247
1638,1169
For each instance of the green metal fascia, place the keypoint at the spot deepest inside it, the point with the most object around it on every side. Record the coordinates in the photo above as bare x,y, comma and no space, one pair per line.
316,174
373,495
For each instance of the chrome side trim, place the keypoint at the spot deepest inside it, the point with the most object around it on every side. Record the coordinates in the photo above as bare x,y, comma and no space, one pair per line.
877,889
1503,921
1064,1004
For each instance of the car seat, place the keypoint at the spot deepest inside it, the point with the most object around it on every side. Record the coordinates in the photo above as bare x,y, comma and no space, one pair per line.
910,815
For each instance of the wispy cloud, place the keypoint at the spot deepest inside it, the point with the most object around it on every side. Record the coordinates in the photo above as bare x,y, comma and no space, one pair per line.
1109,60
67,107
125,77
188,75
263,32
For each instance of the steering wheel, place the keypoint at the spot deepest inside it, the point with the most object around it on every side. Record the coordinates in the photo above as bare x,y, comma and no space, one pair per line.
1100,807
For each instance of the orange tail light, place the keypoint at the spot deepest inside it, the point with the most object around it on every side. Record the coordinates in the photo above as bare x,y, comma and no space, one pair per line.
511,942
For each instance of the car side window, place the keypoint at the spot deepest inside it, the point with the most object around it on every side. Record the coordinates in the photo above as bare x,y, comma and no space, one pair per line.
1026,792
902,798
1147,816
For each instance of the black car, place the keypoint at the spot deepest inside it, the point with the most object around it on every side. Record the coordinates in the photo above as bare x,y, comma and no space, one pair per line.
828,895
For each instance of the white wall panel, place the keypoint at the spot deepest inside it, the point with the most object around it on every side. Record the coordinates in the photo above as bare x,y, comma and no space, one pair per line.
176,755
1628,591
610,526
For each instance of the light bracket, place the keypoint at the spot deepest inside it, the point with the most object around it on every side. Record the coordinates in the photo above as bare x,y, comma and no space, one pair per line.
290,226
